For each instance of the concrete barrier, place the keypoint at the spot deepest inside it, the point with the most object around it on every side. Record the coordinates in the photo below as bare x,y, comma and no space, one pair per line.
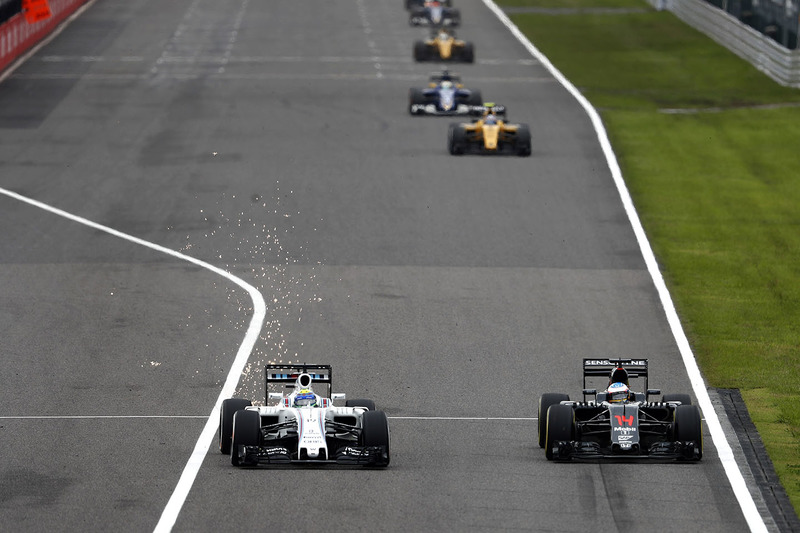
777,62
17,36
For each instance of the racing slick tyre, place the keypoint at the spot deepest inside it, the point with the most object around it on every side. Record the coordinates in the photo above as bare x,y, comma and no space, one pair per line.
421,51
545,401
375,432
246,432
226,412
688,426
456,139
685,399
416,97
475,98
522,142
468,54
560,427
360,402
455,17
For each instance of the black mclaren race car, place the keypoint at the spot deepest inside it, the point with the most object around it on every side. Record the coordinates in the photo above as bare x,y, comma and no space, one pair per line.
618,423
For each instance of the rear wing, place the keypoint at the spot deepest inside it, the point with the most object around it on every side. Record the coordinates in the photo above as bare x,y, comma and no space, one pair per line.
480,110
436,78
636,368
288,374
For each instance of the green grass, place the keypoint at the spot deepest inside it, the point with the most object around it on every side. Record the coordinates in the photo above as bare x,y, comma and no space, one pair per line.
717,188
575,4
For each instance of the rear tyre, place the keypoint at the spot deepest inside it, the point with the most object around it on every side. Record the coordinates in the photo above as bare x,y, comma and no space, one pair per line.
360,402
475,98
560,427
246,432
226,412
685,399
522,142
688,426
545,401
375,432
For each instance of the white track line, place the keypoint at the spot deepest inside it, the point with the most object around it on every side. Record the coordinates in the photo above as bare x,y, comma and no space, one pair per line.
95,417
751,514
170,513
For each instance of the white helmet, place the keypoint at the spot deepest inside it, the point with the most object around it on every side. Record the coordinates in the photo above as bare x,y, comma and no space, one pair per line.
618,392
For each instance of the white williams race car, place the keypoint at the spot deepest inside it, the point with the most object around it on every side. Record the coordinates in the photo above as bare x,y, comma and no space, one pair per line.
303,426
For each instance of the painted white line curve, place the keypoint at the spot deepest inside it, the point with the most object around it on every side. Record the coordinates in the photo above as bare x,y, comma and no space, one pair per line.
170,513
735,477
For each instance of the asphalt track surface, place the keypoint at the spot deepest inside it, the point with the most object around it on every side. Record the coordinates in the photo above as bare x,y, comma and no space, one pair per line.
272,139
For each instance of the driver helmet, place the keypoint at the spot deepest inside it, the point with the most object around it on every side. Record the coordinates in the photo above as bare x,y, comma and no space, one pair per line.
617,392
446,84
305,398
490,119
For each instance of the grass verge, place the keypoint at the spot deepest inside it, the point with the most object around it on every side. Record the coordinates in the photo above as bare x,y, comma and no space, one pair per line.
708,148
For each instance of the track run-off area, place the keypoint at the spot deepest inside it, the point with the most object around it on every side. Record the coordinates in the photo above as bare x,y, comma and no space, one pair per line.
189,191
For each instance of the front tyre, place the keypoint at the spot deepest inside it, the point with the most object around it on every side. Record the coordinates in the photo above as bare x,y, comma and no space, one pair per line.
560,427
226,412
416,97
246,432
468,54
375,432
522,142
420,51
456,139
688,426
545,401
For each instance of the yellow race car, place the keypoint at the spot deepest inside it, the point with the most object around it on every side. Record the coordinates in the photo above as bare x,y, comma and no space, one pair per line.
443,46
489,134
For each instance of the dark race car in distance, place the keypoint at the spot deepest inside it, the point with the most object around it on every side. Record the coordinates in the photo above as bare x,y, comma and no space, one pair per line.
433,13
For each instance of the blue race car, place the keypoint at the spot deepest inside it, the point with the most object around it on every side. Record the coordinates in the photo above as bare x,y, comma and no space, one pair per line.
445,95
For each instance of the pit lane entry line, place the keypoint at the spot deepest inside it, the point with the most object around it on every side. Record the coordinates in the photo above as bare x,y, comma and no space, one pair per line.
726,457
170,513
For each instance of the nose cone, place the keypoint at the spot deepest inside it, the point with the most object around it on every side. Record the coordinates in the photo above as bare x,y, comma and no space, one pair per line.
490,136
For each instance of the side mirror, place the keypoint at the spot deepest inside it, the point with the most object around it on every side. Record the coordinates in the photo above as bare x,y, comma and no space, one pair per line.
653,392
275,396
338,396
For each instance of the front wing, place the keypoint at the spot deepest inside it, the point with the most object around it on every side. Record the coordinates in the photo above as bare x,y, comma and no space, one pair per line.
433,109
477,147
346,455
660,451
